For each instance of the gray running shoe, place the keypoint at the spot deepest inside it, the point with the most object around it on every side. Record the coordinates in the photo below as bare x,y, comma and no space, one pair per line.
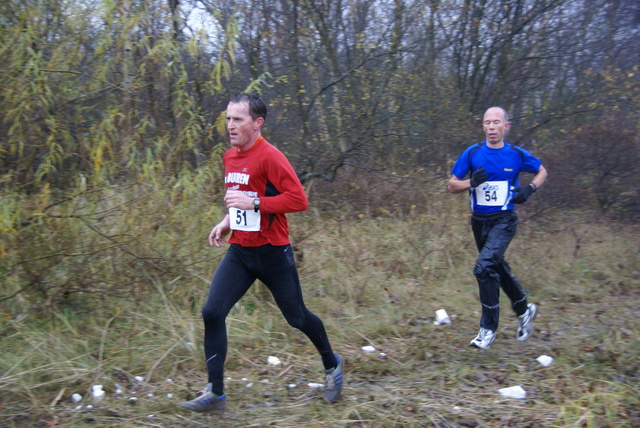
484,339
206,402
526,322
333,386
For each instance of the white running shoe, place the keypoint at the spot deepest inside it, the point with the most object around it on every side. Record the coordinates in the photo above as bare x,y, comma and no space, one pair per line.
526,322
484,339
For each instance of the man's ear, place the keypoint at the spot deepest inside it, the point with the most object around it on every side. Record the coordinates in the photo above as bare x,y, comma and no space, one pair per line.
259,122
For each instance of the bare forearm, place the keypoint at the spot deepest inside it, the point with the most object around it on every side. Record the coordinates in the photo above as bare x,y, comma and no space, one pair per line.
540,177
458,186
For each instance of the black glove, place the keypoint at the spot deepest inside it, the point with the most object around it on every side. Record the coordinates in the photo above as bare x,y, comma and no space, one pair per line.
522,193
479,176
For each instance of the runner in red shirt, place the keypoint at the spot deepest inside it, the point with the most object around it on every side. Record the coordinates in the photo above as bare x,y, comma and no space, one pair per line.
261,188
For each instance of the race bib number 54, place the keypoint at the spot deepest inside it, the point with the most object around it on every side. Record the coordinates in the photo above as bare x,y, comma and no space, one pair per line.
244,220
492,193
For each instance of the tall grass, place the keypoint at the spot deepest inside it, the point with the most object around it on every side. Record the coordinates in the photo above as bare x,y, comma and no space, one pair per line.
105,286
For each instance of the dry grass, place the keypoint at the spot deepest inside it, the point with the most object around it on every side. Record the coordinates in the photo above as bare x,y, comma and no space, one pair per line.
373,281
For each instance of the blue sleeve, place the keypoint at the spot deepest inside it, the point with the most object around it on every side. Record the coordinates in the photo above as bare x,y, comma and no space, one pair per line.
462,166
531,163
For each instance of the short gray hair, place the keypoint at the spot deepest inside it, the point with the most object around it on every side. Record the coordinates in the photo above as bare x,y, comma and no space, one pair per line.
504,112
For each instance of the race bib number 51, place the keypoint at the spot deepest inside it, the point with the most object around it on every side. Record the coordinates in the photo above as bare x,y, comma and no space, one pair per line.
492,193
244,220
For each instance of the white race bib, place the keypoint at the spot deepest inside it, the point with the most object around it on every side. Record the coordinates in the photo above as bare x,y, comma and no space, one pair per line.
492,193
245,220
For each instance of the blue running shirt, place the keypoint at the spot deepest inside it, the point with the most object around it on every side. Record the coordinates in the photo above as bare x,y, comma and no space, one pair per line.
503,165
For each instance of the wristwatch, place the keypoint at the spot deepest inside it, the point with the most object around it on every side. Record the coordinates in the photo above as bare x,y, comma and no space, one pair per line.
256,204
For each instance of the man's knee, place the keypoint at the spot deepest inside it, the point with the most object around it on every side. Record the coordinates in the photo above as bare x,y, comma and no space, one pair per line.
483,268
296,321
212,315
300,319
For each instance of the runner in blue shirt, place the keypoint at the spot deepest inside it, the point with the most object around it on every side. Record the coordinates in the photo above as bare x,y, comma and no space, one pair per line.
494,167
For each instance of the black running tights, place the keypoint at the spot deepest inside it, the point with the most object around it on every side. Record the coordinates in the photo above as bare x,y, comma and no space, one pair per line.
238,270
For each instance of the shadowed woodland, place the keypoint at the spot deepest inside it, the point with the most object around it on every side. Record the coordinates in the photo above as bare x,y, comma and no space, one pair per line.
99,92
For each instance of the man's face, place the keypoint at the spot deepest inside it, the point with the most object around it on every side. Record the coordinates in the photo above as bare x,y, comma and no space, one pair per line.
243,130
494,126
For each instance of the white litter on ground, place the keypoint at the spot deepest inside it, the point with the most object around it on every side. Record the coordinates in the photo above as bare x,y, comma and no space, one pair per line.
368,349
442,317
97,392
274,361
545,360
513,392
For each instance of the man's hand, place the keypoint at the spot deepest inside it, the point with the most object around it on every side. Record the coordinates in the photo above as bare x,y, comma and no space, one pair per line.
218,234
237,199
478,177
522,193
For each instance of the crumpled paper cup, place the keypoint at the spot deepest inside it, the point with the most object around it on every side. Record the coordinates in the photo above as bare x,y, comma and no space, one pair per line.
442,317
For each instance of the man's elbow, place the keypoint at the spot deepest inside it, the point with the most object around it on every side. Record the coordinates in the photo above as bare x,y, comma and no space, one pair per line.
302,203
543,173
452,188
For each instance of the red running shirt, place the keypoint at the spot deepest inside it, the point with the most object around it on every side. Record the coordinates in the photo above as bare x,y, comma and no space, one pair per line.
264,172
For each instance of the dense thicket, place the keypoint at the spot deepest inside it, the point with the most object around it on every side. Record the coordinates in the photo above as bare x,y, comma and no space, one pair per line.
99,90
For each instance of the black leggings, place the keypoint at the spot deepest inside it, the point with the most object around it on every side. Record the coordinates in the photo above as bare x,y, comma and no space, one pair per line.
238,270
493,234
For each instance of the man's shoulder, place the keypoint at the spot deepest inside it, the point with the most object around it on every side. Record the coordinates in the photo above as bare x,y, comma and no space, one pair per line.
266,145
230,152
476,146
508,145
270,151
514,146
522,152
473,148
